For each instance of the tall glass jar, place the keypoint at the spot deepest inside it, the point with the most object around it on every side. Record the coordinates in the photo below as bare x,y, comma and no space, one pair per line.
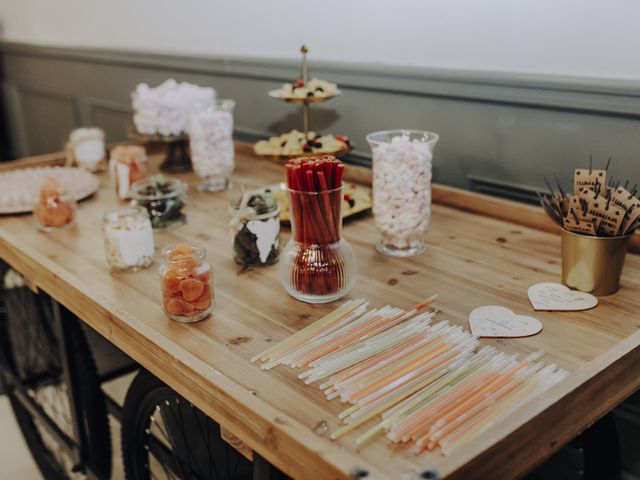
128,239
211,142
317,265
402,162
55,208
187,282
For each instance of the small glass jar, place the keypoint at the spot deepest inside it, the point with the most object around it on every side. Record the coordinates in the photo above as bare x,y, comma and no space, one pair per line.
187,282
128,164
255,229
211,143
402,161
163,198
128,239
55,208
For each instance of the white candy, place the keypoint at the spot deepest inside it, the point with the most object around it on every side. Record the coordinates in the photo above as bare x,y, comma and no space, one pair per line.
402,190
211,143
166,108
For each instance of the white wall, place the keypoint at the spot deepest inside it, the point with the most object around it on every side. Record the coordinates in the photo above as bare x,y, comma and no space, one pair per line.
589,38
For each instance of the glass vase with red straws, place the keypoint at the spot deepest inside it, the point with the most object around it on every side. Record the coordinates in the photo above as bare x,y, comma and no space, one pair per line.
317,265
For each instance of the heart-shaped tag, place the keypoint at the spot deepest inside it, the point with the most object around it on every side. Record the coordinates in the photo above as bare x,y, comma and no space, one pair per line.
555,296
495,321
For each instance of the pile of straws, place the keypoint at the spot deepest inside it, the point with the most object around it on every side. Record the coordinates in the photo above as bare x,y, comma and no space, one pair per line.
316,200
430,384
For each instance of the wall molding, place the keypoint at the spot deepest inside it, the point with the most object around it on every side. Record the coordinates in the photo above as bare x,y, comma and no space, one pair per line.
605,96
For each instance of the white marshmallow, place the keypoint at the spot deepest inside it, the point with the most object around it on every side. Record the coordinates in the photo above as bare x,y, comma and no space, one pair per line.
166,108
211,142
402,189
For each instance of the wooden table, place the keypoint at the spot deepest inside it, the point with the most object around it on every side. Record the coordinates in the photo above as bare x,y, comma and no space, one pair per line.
471,260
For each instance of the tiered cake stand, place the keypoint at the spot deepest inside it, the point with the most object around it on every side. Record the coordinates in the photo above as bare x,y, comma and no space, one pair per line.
306,102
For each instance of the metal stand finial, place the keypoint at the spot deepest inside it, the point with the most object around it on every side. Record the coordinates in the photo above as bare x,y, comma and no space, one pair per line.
305,78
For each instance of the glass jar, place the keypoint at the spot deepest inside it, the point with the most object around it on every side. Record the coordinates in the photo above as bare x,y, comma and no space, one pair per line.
163,198
128,164
317,265
211,143
402,161
128,239
255,229
55,208
87,148
187,282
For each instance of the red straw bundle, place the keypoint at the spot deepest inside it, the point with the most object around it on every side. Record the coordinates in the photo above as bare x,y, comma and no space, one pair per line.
316,201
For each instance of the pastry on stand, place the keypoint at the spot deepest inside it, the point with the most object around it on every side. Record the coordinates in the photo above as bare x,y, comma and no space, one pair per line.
295,143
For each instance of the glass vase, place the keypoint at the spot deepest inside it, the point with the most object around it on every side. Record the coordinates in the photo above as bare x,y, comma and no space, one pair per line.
402,161
211,143
317,265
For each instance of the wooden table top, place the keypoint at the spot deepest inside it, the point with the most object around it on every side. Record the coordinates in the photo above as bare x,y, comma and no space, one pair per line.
471,260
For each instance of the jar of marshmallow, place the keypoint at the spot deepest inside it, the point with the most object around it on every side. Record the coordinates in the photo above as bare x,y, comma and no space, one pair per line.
211,142
402,161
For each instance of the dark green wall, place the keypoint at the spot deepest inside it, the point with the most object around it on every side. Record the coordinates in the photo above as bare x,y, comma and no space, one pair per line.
499,132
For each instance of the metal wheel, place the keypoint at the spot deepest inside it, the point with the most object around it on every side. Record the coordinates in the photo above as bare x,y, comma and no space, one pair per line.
33,374
164,437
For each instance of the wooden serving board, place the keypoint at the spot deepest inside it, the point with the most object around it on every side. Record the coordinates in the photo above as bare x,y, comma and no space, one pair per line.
471,260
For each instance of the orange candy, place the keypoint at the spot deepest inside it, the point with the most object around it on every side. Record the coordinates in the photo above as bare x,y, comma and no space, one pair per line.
51,210
171,286
137,172
191,289
177,306
202,304
182,251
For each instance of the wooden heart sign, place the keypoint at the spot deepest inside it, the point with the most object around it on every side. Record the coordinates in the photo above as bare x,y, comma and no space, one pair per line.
558,297
495,321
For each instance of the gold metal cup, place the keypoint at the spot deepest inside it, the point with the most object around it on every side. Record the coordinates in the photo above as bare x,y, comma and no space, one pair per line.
593,264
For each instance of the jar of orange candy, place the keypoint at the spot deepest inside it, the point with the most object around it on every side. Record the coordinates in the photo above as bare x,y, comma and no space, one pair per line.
55,208
187,283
